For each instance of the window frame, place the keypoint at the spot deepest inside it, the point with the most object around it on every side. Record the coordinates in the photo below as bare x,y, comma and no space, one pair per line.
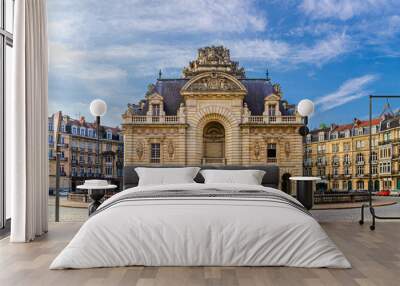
155,159
6,40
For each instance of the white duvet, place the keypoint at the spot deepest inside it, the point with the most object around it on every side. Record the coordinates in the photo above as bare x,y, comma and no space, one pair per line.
206,231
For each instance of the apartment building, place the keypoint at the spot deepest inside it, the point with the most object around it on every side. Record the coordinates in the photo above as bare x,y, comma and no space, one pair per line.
339,154
78,153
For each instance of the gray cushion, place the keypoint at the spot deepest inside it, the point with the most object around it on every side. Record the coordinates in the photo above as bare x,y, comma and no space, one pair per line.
270,179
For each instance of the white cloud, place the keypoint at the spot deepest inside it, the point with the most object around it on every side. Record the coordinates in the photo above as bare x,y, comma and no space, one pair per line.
324,50
342,9
350,90
281,52
155,16
78,64
269,50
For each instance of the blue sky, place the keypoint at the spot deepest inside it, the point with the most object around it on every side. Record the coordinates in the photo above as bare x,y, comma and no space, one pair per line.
333,52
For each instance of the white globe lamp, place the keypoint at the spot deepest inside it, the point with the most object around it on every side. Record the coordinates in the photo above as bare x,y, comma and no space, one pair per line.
98,107
305,107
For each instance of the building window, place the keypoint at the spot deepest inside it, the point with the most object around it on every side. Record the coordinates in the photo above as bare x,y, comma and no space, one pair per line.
360,185
109,135
156,109
155,153
321,172
335,148
360,170
74,130
346,159
387,184
109,170
360,158
82,131
50,126
374,156
346,147
62,171
387,137
360,144
374,169
271,153
271,109
386,152
90,132
335,185
51,140
108,147
385,167
62,127
346,171
335,171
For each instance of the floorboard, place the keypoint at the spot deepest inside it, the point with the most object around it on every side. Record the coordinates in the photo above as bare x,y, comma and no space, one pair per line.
375,256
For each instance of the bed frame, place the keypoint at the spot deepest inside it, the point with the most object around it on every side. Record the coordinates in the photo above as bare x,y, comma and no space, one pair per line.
270,179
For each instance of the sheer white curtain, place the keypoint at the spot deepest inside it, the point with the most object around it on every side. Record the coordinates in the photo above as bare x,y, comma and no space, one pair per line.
27,123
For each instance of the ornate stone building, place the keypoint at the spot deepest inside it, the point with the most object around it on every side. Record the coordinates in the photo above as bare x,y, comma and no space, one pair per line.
213,115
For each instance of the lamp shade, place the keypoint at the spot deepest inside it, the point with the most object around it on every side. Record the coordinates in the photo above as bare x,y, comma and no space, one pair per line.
98,107
305,107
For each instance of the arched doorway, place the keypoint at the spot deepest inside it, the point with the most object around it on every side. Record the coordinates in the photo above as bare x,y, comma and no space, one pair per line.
214,143
286,183
349,186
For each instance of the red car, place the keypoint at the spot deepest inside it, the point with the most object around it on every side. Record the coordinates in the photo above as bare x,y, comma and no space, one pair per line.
384,193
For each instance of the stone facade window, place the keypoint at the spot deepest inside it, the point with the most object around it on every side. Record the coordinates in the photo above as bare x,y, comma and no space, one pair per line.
360,170
109,135
346,171
74,130
271,109
271,153
156,110
385,167
374,169
359,158
109,170
155,153
360,185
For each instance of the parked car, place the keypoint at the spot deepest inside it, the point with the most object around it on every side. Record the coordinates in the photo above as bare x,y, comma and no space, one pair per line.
384,193
395,193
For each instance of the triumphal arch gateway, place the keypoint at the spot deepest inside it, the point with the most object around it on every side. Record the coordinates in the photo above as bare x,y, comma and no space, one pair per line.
214,114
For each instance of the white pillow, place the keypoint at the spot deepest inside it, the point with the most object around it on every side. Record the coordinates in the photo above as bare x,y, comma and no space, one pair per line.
248,177
166,176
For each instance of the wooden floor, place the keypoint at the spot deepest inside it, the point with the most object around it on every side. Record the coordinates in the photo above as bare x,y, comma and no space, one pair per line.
375,257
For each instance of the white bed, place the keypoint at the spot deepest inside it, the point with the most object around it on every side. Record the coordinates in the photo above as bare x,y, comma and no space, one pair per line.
202,231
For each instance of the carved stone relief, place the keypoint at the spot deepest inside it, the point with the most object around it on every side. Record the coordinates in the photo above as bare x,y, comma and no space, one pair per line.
140,150
171,149
213,82
257,150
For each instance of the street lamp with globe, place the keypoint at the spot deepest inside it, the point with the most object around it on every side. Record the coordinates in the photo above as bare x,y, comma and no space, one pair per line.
98,108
